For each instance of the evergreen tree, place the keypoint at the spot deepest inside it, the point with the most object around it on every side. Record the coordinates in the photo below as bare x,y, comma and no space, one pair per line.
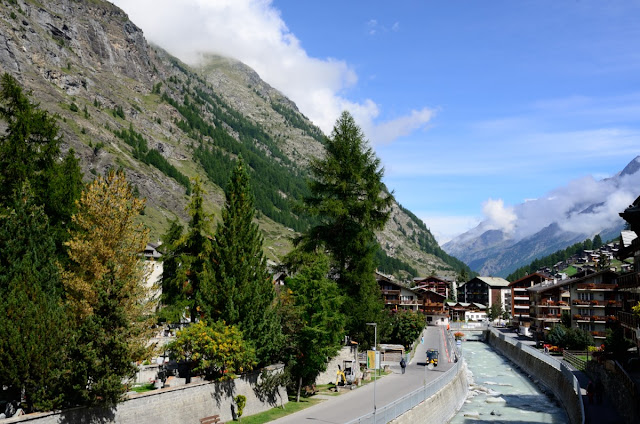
106,290
187,264
33,328
597,242
29,151
316,323
241,291
350,203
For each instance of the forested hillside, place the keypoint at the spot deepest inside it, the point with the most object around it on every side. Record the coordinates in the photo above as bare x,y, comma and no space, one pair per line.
124,104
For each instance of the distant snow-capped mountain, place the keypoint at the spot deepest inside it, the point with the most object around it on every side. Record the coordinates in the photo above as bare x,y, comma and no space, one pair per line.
513,237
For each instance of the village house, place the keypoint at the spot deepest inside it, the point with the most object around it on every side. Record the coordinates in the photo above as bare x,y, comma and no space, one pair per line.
521,301
433,283
395,295
486,291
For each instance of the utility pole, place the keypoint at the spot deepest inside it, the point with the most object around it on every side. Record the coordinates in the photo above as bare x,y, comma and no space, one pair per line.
375,364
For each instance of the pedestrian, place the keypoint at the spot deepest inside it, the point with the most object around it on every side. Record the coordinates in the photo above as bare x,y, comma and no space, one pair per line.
590,391
403,364
599,391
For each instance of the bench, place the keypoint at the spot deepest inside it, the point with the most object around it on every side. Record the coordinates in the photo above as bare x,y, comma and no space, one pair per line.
214,419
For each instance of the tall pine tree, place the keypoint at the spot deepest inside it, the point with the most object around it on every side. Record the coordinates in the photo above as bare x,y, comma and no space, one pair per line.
33,328
350,203
187,262
241,291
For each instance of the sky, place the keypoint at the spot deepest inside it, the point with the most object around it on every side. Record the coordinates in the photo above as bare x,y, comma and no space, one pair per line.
473,107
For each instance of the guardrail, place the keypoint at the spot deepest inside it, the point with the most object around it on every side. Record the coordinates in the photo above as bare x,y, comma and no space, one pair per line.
400,406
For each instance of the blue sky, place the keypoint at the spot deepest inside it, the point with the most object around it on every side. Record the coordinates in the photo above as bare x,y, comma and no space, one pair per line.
472,106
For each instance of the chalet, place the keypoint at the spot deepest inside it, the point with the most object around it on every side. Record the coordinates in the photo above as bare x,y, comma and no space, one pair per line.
463,311
433,283
548,299
395,295
433,306
486,291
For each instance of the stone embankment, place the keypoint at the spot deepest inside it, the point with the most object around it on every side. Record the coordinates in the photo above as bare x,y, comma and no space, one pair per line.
551,373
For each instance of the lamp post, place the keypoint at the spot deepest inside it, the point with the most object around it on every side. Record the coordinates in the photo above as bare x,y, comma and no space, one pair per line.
375,364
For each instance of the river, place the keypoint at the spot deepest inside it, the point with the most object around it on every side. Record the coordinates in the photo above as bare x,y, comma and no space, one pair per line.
500,393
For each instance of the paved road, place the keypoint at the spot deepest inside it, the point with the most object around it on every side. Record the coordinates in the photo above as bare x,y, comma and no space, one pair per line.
359,402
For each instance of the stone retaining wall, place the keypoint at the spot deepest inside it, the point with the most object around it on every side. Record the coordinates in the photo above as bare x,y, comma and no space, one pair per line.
619,389
442,406
184,404
550,372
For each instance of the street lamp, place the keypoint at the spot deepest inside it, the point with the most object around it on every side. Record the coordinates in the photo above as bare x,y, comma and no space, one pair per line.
375,364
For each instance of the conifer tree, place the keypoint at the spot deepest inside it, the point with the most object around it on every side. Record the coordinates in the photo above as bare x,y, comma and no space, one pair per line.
106,290
187,262
241,291
350,203
33,327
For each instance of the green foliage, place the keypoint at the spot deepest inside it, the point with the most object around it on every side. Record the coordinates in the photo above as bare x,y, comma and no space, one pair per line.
240,290
34,331
349,202
570,337
495,311
73,107
241,402
406,327
389,265
118,112
312,321
217,351
295,120
29,151
616,343
187,262
151,157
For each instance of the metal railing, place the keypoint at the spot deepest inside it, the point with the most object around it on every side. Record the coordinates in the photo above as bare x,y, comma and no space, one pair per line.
407,402
398,407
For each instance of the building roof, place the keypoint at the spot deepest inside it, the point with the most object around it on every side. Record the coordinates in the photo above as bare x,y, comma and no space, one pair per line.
490,281
526,277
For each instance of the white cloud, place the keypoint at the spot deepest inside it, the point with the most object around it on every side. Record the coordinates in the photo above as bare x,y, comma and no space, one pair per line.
253,32
391,130
498,216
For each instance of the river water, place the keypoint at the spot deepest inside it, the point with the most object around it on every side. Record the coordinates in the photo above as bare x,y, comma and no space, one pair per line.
500,393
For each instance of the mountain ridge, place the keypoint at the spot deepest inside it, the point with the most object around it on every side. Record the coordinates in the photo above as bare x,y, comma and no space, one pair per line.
120,98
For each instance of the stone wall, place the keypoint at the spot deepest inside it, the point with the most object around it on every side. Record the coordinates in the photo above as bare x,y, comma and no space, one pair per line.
330,374
443,405
184,404
548,371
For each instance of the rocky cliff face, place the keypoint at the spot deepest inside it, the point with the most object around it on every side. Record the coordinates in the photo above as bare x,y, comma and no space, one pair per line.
88,63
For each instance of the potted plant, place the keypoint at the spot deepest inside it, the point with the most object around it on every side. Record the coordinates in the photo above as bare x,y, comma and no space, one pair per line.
458,335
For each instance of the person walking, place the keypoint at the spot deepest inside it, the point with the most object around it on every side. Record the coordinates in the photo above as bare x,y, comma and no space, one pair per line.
403,364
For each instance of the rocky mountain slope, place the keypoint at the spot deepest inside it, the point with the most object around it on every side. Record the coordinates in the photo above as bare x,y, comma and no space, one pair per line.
565,216
125,104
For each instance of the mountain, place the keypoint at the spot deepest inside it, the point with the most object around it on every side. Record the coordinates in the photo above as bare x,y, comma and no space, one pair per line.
536,228
123,103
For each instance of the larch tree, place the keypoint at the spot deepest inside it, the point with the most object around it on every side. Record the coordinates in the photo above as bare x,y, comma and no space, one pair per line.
33,328
350,203
106,290
241,291
187,262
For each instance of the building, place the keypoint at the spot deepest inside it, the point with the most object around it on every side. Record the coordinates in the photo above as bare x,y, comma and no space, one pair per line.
395,295
548,301
486,291
595,302
433,283
629,282
463,311
433,306
521,301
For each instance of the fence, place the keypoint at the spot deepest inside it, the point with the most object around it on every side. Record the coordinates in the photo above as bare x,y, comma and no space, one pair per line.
575,359
400,406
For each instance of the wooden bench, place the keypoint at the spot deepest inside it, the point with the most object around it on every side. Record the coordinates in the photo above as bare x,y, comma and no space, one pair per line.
214,419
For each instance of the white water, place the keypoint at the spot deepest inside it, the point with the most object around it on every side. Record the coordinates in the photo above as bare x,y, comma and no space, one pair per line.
499,393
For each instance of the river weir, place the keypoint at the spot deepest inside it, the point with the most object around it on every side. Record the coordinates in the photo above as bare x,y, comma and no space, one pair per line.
500,393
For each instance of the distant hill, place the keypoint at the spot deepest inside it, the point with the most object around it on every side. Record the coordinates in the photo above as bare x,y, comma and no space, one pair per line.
126,104
566,216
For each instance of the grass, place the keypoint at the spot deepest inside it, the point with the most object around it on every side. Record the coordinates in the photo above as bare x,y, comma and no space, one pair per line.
143,388
275,413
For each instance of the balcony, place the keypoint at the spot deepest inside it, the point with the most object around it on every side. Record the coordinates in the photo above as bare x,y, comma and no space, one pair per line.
599,334
516,306
596,287
582,318
389,292
521,298
628,320
629,281
613,304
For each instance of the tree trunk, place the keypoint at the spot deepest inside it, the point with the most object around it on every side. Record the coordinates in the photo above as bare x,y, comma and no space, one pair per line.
299,387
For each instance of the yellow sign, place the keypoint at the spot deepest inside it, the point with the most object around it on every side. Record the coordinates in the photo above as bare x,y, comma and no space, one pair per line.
371,359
